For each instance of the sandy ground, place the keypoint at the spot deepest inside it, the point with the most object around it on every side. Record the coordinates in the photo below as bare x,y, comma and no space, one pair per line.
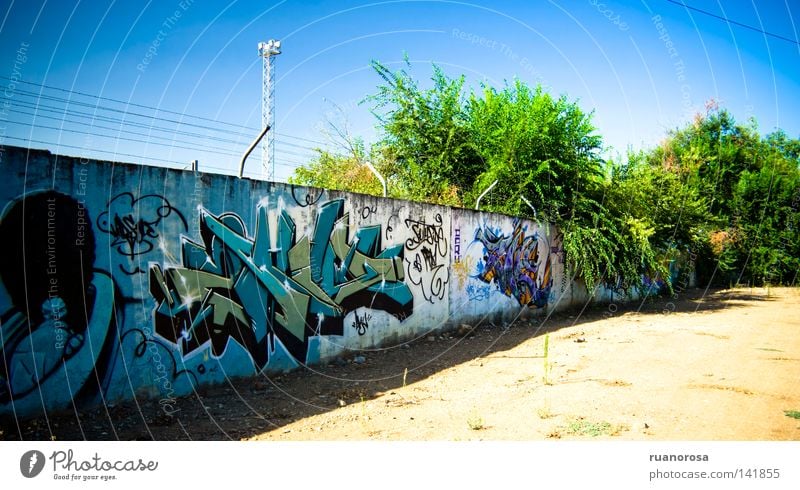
724,365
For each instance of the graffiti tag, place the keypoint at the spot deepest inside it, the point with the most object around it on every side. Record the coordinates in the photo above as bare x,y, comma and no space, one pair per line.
478,293
368,211
308,199
133,224
361,323
428,246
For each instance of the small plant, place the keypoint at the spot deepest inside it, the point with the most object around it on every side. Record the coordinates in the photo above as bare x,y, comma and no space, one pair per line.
795,414
475,422
544,411
363,419
583,427
547,364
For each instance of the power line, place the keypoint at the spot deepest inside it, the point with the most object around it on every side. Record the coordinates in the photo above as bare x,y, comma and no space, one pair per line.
103,118
100,117
132,104
34,104
128,113
302,139
287,152
122,138
171,144
143,106
180,165
286,143
27,140
183,165
734,22
120,130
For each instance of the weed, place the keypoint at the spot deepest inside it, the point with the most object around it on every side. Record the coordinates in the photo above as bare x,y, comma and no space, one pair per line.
584,427
615,382
475,422
795,414
735,389
364,417
544,411
547,364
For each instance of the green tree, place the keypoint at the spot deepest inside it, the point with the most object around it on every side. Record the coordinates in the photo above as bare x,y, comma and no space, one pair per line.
337,172
426,131
711,153
750,184
535,146
766,217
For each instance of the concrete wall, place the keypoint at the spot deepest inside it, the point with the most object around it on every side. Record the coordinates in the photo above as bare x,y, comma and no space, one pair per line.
121,280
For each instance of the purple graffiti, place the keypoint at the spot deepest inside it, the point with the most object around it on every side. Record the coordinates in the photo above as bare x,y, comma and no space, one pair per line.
518,264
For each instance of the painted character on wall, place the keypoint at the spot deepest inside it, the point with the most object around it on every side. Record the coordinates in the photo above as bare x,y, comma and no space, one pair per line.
518,264
57,310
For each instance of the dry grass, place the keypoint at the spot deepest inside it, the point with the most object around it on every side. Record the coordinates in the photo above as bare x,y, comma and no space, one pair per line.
735,389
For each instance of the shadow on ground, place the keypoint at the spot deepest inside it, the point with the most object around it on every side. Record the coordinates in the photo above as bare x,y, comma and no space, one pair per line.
245,407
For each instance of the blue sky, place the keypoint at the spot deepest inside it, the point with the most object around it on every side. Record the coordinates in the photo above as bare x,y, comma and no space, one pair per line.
611,56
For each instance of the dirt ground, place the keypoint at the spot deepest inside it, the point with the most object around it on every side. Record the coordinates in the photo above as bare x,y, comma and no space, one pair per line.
724,365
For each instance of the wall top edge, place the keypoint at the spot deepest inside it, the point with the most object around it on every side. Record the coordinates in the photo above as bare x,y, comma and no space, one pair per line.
45,153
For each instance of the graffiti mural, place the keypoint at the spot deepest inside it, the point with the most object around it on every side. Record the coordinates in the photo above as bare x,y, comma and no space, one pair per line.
518,264
428,249
245,289
122,281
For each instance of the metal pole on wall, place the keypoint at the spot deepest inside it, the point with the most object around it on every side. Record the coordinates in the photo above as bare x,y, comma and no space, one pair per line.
478,202
250,150
529,205
378,175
